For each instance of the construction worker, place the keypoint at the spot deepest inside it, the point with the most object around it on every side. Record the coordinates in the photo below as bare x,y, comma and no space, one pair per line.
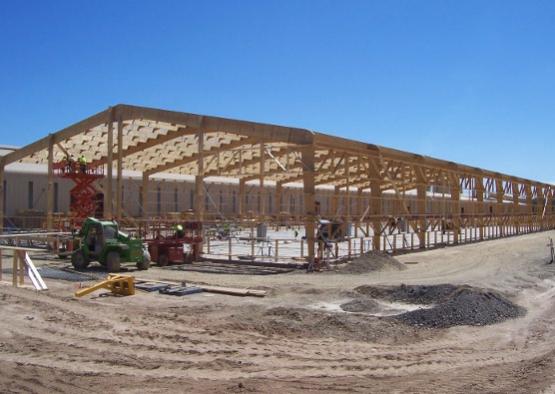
69,163
179,233
82,163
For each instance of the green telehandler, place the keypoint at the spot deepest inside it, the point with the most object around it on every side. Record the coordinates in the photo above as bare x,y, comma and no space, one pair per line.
101,241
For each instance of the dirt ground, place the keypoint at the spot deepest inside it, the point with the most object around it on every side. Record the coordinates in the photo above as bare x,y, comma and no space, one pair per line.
293,340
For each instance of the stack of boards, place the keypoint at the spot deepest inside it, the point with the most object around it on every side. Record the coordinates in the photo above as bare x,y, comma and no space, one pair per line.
181,290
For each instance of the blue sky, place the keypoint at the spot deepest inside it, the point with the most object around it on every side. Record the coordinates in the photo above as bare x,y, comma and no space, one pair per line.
467,81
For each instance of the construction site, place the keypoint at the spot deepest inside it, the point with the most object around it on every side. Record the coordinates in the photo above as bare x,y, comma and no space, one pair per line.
156,250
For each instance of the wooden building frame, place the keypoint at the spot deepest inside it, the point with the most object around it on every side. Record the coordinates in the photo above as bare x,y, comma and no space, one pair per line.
155,141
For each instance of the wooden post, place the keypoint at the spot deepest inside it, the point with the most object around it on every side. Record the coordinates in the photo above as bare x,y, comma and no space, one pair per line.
456,207
335,201
277,205
539,206
199,179
15,267
241,207
480,203
276,250
421,204
119,185
261,180
529,207
144,208
516,206
347,191
307,155
499,193
50,185
21,260
229,248
359,210
376,211
108,197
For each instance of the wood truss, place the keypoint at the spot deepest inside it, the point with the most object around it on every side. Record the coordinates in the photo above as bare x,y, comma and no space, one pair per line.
154,141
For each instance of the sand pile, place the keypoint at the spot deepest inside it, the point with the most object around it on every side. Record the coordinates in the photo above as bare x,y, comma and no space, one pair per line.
453,305
369,262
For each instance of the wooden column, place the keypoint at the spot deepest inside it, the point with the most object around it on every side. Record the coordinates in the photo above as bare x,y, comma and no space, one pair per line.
376,211
499,208
516,206
144,208
335,201
108,197
529,206
540,204
347,191
50,185
277,205
456,207
242,187
199,179
119,184
359,210
307,155
261,179
480,204
421,208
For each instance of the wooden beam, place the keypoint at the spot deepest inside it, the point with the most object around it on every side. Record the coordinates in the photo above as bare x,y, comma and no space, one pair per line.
150,143
266,132
60,136
195,157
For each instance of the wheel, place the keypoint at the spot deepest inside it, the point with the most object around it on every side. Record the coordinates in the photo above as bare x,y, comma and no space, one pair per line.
163,260
113,262
78,260
145,263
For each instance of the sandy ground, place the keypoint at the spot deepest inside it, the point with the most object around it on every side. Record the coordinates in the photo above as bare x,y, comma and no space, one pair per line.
286,342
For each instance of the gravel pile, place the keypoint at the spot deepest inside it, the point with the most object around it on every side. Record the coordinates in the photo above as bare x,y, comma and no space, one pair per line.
410,294
369,262
453,305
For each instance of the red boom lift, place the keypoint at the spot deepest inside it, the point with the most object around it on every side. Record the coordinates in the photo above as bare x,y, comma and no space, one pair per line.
85,199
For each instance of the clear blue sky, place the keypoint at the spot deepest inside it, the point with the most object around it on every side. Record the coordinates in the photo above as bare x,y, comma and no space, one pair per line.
467,81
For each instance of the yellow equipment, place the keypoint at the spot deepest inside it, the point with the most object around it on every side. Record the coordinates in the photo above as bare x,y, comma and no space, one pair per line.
117,284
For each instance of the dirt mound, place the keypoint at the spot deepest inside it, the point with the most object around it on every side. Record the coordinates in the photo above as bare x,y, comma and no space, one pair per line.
307,323
453,305
411,294
361,305
369,262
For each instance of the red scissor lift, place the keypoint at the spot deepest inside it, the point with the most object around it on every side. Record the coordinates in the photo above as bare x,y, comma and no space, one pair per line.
84,201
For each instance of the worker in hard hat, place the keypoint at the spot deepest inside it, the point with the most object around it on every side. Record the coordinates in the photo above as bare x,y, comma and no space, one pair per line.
179,232
82,163
69,163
